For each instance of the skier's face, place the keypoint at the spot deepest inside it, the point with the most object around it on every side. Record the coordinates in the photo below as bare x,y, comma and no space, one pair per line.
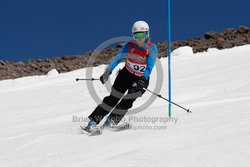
140,41
140,38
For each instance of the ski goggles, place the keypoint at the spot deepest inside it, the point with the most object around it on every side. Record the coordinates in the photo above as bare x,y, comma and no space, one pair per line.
140,34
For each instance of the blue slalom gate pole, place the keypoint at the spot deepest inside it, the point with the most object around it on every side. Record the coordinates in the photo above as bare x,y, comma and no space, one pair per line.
169,60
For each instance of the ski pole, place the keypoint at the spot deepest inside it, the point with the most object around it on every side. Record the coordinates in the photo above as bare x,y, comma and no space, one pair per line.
188,110
91,79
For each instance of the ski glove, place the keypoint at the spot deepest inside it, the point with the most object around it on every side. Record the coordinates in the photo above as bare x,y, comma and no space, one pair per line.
105,76
140,84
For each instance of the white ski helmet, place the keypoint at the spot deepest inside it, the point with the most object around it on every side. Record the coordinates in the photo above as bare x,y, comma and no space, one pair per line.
140,26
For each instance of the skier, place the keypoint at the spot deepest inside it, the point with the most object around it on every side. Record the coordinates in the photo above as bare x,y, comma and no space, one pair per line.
140,55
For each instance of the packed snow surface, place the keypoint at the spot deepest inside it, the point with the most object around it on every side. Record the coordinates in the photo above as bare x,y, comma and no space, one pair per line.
40,117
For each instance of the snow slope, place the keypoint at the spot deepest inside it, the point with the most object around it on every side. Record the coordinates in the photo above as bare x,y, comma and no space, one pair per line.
38,128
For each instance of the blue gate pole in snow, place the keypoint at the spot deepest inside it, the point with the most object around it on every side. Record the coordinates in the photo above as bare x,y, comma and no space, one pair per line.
169,60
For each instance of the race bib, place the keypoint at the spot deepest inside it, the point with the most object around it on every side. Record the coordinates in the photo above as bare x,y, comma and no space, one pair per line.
135,68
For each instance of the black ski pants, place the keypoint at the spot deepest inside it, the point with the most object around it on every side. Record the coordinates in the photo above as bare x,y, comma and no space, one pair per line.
117,102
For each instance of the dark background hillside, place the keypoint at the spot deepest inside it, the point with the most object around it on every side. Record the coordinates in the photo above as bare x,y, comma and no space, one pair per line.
226,39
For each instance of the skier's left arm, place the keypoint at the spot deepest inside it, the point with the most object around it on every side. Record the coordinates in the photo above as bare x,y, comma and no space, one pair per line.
151,59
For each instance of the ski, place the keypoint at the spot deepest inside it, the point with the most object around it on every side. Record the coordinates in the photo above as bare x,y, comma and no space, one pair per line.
123,126
98,131
94,132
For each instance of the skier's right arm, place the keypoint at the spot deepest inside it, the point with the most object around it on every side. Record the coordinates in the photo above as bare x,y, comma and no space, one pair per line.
121,55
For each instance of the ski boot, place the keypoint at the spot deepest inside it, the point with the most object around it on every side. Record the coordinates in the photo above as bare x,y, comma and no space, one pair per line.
91,129
109,123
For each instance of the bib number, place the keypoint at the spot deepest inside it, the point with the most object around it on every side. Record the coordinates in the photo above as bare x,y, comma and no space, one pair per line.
137,68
